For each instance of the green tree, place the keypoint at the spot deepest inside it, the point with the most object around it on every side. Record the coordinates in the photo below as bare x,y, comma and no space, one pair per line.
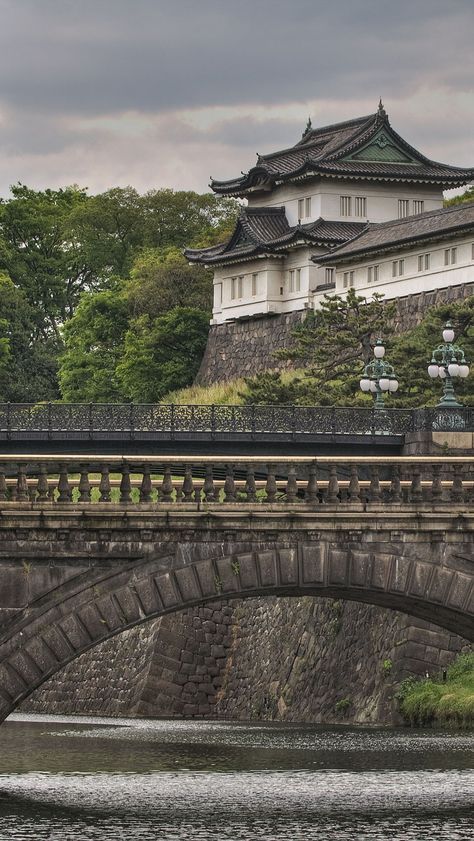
39,251
28,369
411,353
161,279
332,344
162,354
464,198
94,343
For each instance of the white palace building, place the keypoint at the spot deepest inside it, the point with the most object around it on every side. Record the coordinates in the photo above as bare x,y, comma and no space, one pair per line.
350,205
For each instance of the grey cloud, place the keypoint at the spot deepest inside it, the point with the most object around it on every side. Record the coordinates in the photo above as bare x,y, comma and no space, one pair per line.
152,55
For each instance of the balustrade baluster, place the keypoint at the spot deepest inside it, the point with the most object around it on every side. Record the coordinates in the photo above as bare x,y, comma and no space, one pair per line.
146,486
354,485
42,486
21,485
271,485
229,485
436,486
84,486
167,486
3,487
312,489
188,484
333,485
416,491
250,487
375,493
395,492
209,487
457,490
64,487
291,485
125,485
104,484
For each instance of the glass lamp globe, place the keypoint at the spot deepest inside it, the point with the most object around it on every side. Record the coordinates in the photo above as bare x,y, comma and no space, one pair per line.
442,372
365,384
379,351
464,370
393,384
373,386
448,334
384,383
433,370
453,369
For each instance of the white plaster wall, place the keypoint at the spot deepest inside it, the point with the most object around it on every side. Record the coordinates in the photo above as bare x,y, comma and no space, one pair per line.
325,193
412,281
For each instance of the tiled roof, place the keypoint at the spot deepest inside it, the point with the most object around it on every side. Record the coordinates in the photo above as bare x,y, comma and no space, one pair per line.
385,236
265,230
366,147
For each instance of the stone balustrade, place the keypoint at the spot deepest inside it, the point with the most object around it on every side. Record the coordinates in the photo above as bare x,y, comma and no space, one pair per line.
167,481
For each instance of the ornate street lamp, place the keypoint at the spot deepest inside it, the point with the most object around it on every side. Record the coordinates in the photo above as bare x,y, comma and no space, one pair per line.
448,361
379,376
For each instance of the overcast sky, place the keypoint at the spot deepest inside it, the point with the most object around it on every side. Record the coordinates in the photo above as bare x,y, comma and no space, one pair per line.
165,93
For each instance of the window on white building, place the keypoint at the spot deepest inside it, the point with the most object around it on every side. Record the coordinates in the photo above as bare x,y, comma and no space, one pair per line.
403,208
348,279
218,295
424,262
307,207
329,276
360,206
450,256
233,288
254,283
292,280
300,208
418,206
472,251
346,206
398,268
240,286
373,274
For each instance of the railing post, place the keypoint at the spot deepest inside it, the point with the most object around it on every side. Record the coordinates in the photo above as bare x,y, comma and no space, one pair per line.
84,484
395,485
213,421
146,486
125,485
229,485
209,487
333,485
42,487
374,489
172,421
104,486
271,486
436,486
291,485
64,487
188,485
3,486
167,486
250,488
457,485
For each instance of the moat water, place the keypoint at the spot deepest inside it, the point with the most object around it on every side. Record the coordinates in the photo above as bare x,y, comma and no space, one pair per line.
75,779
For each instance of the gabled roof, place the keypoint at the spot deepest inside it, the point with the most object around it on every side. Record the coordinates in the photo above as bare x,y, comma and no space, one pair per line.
363,148
265,231
387,236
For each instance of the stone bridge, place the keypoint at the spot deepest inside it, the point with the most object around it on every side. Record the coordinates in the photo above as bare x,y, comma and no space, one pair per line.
90,549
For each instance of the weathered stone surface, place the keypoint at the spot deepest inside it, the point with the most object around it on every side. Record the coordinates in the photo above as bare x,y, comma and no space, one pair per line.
243,348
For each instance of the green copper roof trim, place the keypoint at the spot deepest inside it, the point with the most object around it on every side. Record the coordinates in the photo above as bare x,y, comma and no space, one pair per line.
382,148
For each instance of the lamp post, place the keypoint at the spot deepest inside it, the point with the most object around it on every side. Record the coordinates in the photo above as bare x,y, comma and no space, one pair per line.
448,361
379,376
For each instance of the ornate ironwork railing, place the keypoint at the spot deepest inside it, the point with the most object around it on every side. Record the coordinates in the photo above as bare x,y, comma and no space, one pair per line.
138,421
167,480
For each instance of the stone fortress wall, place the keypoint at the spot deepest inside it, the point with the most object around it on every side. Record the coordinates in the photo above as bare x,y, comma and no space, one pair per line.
309,660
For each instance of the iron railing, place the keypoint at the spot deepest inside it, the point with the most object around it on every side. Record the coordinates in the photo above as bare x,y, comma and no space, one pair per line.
138,421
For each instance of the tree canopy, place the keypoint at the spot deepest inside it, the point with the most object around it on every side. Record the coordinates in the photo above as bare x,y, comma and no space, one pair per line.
79,269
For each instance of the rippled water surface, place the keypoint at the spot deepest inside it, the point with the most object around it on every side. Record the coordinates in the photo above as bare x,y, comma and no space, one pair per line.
80,779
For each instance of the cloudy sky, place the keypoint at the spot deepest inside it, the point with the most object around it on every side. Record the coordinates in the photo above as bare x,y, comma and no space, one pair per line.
160,93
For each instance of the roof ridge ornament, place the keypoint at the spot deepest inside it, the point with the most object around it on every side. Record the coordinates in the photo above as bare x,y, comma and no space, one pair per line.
308,129
381,112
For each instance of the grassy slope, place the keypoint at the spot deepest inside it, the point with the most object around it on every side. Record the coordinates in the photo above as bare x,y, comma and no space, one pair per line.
439,703
229,393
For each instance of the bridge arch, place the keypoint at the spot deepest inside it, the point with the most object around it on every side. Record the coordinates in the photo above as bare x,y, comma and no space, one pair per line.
91,608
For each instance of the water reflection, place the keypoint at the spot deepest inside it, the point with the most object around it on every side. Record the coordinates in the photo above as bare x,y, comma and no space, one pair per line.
187,780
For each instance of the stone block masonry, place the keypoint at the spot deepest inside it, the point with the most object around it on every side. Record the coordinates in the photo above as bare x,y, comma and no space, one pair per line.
243,348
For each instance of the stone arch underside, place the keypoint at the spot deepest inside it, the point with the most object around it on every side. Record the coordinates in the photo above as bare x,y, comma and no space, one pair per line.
87,610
